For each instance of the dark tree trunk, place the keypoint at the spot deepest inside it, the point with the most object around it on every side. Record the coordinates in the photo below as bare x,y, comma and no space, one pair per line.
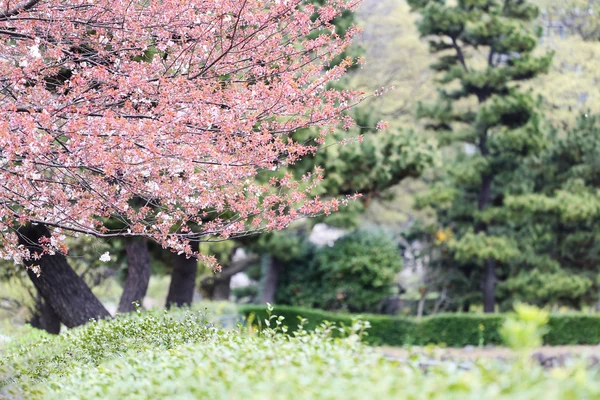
485,193
269,287
183,279
466,306
218,287
489,286
421,305
138,274
222,288
61,288
44,317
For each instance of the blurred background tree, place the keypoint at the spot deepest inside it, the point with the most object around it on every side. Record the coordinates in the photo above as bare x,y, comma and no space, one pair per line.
485,49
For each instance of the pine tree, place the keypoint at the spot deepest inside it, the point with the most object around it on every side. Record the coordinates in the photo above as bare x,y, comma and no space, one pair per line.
485,50
557,220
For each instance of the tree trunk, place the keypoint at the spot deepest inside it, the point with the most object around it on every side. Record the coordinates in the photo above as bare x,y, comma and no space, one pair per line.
44,317
440,301
63,290
269,287
466,306
183,279
489,286
421,306
218,287
222,289
489,277
138,274
485,194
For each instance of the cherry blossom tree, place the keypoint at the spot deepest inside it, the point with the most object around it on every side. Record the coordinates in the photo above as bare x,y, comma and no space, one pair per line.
159,115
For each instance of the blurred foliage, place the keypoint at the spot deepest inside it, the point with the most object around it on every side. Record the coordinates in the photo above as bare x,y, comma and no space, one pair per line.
489,124
361,160
456,329
245,294
355,274
573,17
525,328
556,220
396,56
150,355
548,215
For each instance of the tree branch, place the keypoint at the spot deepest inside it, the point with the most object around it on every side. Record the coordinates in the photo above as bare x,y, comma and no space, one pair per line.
14,34
16,10
459,54
237,266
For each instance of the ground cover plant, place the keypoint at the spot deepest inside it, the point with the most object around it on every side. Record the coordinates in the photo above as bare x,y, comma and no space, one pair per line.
156,356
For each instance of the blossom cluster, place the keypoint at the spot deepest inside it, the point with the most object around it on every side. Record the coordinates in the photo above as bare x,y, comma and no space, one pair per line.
154,118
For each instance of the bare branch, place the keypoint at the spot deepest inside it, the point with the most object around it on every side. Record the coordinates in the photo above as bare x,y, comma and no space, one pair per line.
19,8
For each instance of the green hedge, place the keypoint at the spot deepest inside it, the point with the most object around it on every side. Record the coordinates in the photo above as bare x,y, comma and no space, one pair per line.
574,329
455,330
152,355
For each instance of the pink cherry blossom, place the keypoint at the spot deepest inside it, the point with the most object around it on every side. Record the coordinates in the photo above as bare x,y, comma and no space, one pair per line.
160,114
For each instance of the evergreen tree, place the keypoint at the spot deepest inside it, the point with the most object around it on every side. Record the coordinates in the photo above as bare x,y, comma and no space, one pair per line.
557,221
485,50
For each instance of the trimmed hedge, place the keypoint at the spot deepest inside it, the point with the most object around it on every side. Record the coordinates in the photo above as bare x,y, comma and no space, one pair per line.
567,329
454,330
458,330
160,356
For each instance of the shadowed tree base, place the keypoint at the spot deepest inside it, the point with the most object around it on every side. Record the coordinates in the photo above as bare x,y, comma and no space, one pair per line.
138,274
218,286
183,279
489,287
270,283
60,287
45,318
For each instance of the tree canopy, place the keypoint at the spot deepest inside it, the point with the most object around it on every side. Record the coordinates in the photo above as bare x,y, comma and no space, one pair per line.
484,50
179,105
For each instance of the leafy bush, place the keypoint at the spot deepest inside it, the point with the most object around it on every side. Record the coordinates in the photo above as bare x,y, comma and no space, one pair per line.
455,330
526,328
458,330
247,293
42,356
571,329
354,274
215,364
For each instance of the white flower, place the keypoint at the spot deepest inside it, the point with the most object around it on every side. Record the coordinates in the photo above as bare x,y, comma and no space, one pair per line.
34,51
105,257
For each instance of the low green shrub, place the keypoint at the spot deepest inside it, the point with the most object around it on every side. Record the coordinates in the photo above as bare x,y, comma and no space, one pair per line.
458,330
569,329
454,330
355,274
38,356
188,360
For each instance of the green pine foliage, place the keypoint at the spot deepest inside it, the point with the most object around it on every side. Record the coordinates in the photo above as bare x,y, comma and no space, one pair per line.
556,218
485,51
